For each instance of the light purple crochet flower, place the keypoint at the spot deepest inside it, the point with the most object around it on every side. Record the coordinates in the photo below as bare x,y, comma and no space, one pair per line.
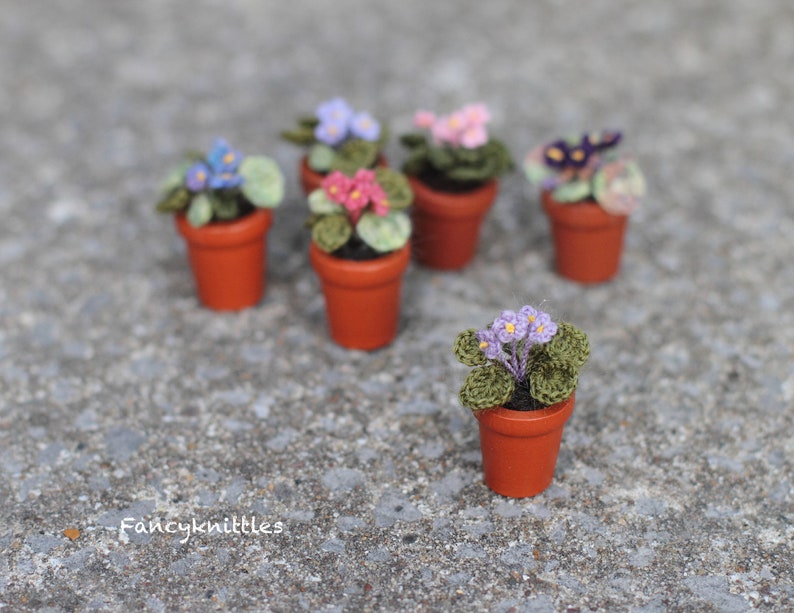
489,344
540,326
336,111
331,132
509,327
197,176
364,126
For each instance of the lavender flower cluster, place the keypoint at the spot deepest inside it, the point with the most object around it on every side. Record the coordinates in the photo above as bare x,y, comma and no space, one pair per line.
338,121
510,337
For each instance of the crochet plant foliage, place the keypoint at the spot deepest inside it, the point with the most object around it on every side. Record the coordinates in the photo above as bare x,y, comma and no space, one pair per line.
457,150
222,186
365,213
339,138
587,167
521,354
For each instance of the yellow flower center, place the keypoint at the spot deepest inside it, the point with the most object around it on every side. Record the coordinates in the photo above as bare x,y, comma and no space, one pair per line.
332,130
355,194
540,329
578,155
201,175
556,154
228,158
530,318
510,328
483,344
333,189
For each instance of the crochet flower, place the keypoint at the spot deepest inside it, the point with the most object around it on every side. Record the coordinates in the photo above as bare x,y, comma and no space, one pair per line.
602,140
197,176
579,155
509,327
225,180
331,133
379,200
223,159
474,136
337,186
364,126
489,344
424,119
335,111
556,154
476,114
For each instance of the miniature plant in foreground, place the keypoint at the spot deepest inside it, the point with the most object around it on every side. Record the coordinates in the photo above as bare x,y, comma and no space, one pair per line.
523,361
577,169
222,186
458,155
361,217
339,138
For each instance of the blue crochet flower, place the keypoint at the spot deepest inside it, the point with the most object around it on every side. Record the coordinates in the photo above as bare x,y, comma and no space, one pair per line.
489,344
223,159
336,111
331,133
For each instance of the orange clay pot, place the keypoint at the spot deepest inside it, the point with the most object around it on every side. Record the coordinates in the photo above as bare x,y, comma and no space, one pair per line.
362,298
520,448
311,179
588,241
228,259
446,226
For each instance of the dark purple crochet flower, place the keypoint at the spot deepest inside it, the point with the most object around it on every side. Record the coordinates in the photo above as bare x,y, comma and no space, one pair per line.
579,155
602,140
556,154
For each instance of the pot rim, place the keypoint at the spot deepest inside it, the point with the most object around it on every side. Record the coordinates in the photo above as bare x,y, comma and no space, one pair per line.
473,203
360,273
226,233
527,423
585,214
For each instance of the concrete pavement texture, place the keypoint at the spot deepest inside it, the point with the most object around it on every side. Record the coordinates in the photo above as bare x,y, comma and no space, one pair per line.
121,397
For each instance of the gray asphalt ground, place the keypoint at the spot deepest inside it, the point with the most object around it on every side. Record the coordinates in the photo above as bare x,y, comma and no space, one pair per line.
121,397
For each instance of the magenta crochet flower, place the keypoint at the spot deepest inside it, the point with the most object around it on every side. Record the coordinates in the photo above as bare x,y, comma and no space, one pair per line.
337,186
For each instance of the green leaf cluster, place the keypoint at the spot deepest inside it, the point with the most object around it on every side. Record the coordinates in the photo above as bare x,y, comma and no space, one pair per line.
553,369
456,164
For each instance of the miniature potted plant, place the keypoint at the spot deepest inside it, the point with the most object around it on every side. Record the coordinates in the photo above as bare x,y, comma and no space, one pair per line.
360,249
453,171
587,190
521,392
223,208
338,138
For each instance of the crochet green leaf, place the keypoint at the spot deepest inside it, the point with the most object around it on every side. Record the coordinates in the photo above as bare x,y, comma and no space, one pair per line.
487,387
384,233
467,349
200,211
264,182
331,232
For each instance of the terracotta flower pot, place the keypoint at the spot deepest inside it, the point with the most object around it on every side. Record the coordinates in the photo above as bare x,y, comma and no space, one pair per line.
446,225
520,448
362,298
228,259
588,241
311,179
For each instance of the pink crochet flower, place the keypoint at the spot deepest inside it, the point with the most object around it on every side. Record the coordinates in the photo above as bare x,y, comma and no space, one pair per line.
424,119
337,186
476,114
474,136
380,203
